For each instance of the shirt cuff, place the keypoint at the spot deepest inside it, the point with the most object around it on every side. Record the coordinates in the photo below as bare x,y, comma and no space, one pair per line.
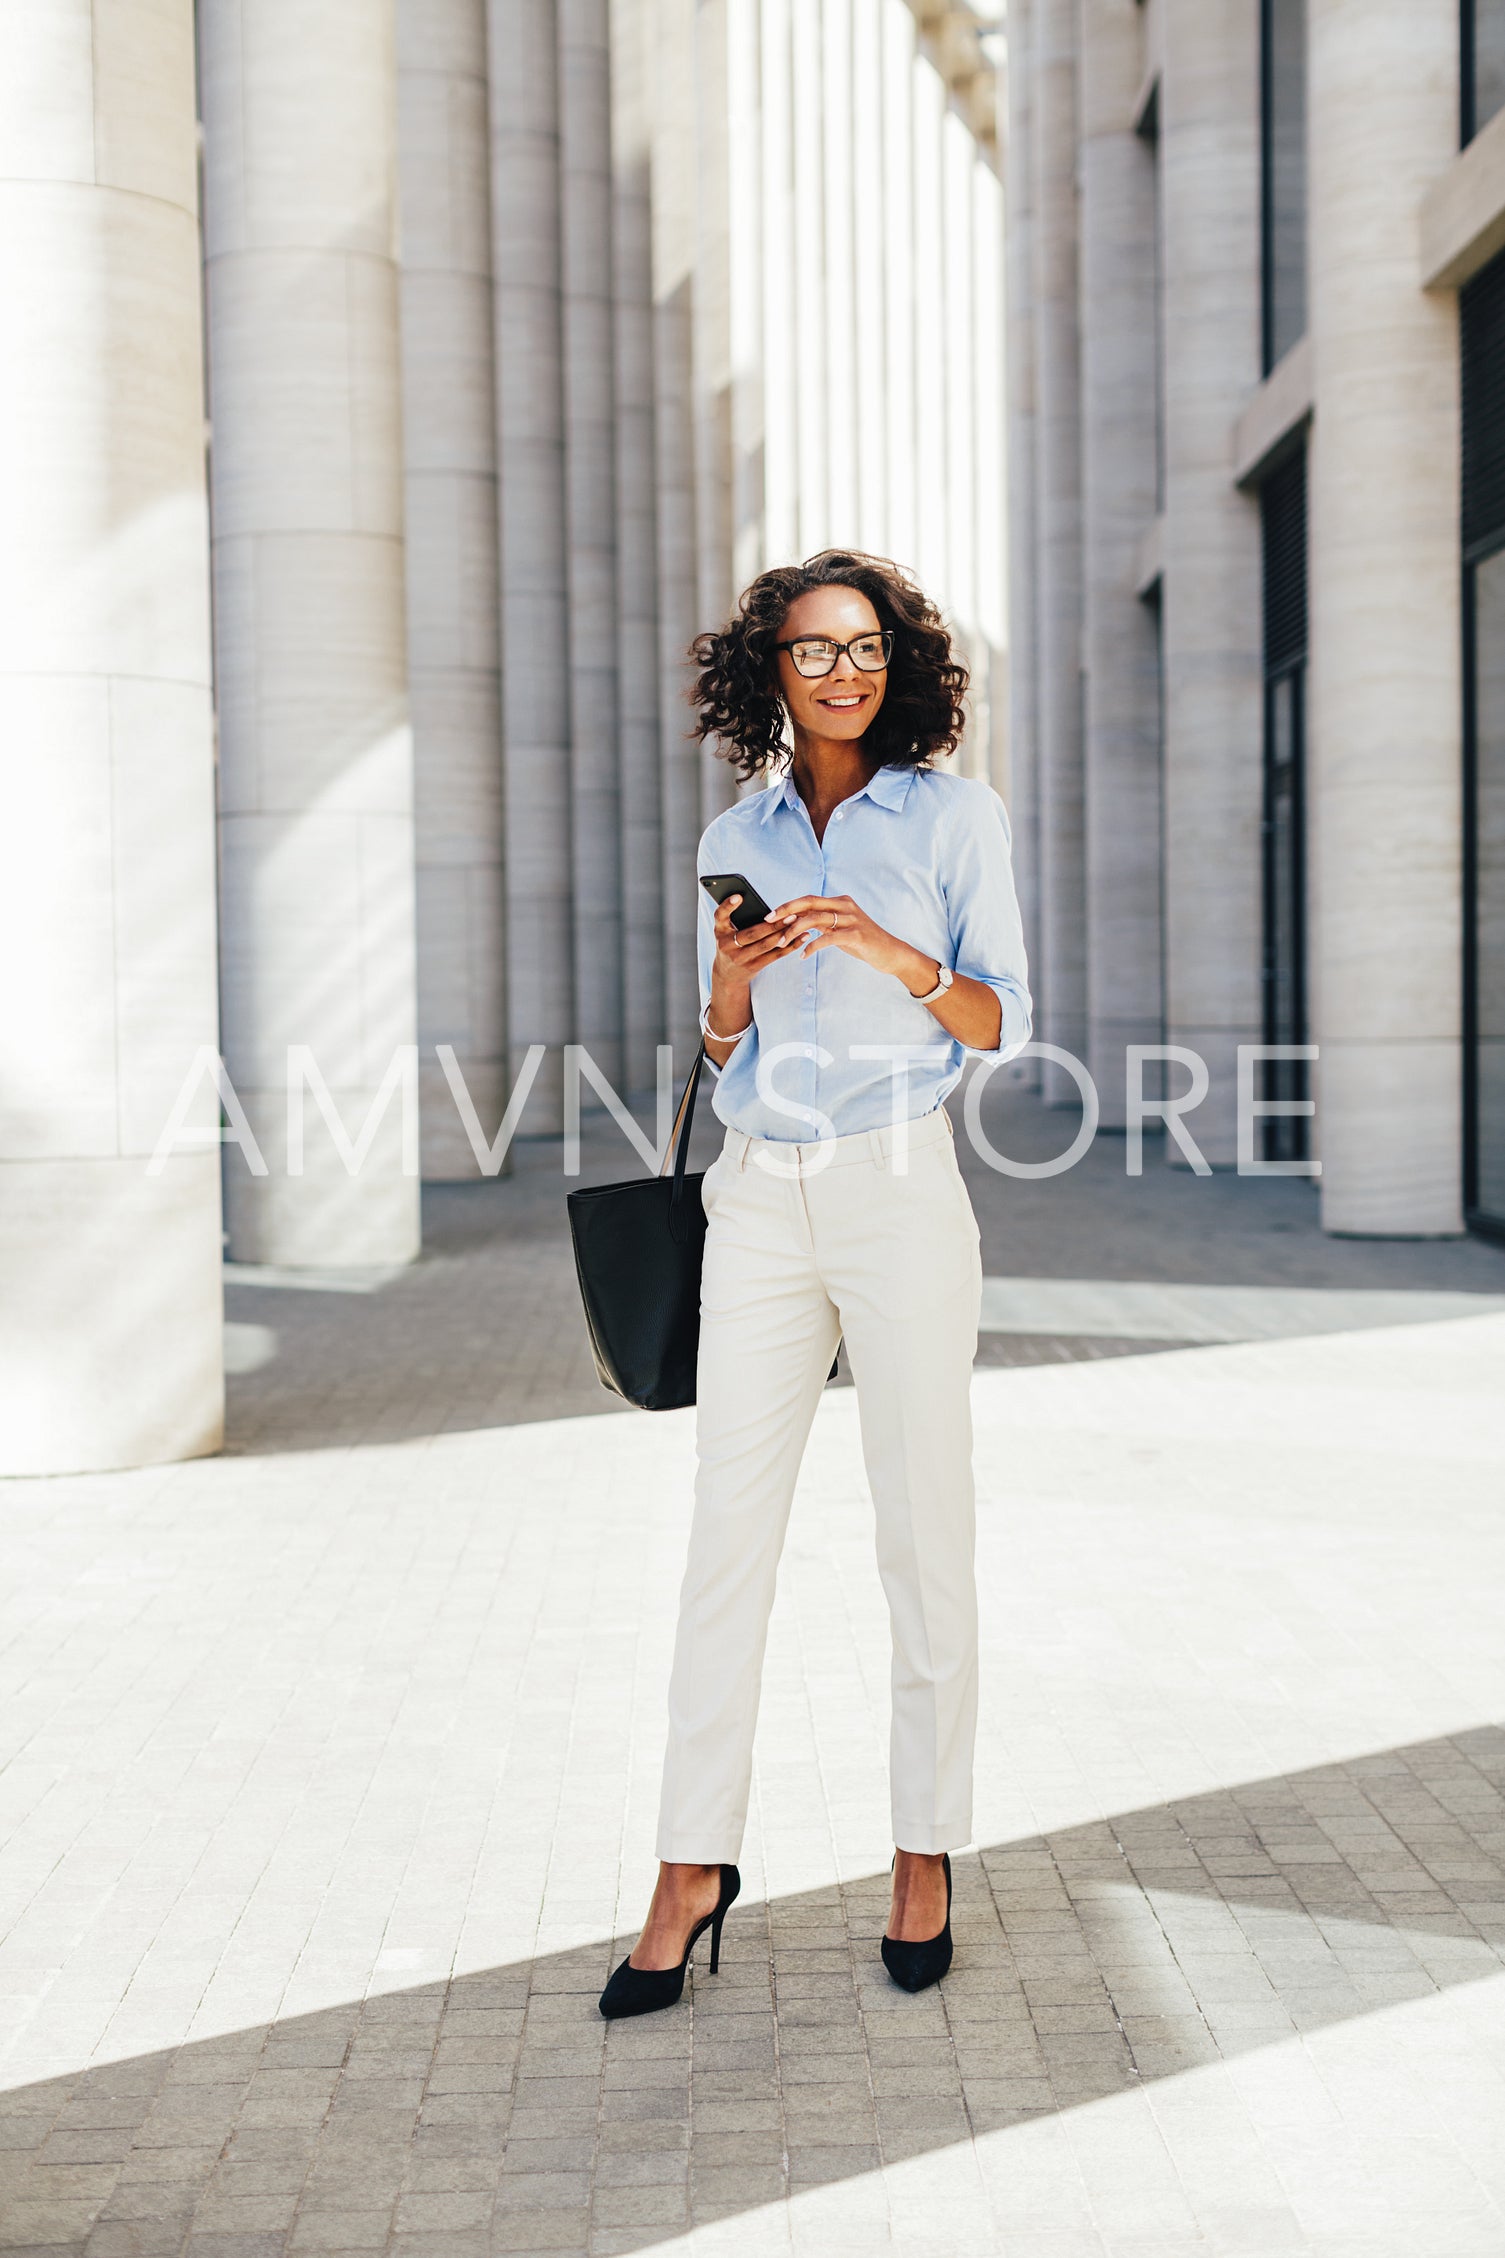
1014,1020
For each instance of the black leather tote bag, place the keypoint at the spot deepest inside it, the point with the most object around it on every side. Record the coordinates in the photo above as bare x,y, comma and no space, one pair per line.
638,1250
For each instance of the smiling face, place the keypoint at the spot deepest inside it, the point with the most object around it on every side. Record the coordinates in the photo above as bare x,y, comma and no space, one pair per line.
842,703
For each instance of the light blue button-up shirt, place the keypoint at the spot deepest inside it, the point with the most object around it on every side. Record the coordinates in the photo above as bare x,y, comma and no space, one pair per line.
926,854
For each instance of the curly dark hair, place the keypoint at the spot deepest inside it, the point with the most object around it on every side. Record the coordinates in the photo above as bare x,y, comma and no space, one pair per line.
736,693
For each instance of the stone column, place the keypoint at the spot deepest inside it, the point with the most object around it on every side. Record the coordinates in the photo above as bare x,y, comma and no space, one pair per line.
838,301
673,191
991,504
1023,563
110,1310
958,158
1062,963
1209,159
533,521
746,325
637,557
316,766
1385,701
1121,694
899,280
449,449
781,485
722,114
872,208
814,529
932,360
590,504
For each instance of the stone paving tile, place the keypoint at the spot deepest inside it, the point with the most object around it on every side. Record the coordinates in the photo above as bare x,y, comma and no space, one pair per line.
327,1772
679,2125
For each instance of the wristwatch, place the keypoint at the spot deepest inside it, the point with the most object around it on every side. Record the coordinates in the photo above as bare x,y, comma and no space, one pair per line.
943,982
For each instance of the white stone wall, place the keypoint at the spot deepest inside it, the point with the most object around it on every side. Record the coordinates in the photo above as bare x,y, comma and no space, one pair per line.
109,1274
1170,434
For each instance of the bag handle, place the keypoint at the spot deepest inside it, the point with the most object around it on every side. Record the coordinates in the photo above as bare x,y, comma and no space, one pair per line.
679,1147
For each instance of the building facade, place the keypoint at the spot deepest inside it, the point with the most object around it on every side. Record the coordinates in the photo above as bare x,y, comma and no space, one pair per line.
1257,329
391,389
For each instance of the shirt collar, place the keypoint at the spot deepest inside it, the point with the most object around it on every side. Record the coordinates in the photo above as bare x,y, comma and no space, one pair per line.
890,787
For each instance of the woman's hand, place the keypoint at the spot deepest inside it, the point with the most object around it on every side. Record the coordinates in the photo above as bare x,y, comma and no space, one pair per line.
841,923
968,1010
740,957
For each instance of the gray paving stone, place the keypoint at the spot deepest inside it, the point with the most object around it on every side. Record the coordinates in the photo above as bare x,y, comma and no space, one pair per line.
388,1702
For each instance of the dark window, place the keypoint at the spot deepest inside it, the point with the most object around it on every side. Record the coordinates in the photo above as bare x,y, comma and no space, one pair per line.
1483,58
1283,521
1283,174
1482,308
1149,128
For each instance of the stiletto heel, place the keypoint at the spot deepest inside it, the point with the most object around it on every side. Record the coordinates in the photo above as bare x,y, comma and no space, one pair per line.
642,1991
915,1967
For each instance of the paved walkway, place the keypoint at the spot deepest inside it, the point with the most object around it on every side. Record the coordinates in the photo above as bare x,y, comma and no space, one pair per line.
328,1769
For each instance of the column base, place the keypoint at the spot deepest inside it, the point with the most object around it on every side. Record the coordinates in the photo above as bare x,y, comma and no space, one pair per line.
111,1314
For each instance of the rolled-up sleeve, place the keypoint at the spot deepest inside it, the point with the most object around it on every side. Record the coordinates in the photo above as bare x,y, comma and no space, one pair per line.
983,912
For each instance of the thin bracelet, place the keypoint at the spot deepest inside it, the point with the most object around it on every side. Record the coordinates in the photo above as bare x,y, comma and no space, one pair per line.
707,1029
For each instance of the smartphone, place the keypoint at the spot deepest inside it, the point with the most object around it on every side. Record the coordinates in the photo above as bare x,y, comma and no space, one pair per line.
751,910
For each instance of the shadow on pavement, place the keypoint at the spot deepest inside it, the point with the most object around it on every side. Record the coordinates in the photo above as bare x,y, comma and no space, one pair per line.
496,2113
486,1331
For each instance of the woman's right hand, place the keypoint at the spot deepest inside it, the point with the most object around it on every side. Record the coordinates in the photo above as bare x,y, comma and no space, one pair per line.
740,957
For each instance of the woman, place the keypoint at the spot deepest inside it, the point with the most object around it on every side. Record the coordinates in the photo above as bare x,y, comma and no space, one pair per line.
836,1208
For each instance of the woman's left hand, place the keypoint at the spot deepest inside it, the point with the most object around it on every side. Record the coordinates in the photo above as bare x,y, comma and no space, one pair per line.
841,923
968,1010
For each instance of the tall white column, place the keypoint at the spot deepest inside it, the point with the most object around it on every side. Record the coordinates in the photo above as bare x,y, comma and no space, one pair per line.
642,940
590,504
720,113
449,449
316,766
533,520
838,300
745,317
931,359
1023,714
899,306
109,1276
1384,736
1209,158
1062,964
990,501
673,190
781,433
960,331
808,244
872,208
1121,750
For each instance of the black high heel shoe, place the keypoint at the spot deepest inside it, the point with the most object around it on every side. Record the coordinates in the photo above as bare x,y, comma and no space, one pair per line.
915,1967
642,1991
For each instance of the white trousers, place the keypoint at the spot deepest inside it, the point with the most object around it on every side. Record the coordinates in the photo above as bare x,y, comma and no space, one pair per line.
862,1239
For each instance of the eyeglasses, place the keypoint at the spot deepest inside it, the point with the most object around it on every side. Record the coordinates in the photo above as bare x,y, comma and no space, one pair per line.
815,655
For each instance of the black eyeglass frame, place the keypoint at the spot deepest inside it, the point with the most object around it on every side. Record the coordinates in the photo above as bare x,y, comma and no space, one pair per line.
885,635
